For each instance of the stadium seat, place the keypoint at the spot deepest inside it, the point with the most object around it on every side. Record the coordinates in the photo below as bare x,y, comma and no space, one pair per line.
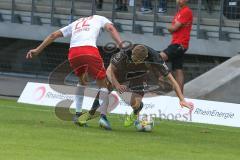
36,20
56,22
202,34
1,18
138,29
159,31
224,36
17,19
62,10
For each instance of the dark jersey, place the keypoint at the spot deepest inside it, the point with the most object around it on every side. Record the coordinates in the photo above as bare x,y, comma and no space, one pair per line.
127,70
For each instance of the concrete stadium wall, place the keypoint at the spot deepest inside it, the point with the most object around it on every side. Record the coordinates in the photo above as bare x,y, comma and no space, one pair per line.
229,92
221,83
212,47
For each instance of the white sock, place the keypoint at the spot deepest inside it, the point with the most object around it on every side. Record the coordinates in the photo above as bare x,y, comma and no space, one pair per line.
103,100
79,98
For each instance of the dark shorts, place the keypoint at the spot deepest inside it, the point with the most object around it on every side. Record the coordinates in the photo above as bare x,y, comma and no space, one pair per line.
175,53
136,85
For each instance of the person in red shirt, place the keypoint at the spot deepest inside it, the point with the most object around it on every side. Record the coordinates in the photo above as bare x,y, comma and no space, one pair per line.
180,29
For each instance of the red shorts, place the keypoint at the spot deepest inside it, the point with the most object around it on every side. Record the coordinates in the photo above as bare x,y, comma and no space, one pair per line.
87,59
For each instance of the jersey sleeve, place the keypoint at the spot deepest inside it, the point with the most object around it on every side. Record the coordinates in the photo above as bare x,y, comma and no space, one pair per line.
118,59
163,68
67,31
104,21
157,62
185,17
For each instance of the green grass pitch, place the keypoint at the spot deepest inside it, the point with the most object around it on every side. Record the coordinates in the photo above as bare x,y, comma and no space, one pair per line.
34,133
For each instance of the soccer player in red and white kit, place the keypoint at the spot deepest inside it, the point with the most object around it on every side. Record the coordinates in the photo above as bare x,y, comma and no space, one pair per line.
83,55
180,29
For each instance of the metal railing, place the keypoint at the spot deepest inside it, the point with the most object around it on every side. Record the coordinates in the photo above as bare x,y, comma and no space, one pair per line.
226,14
207,13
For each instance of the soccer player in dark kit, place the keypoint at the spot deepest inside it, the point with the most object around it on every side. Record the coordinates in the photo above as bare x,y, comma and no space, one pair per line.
127,72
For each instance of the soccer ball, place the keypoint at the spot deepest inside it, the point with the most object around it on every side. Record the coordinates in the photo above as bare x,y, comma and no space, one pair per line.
144,125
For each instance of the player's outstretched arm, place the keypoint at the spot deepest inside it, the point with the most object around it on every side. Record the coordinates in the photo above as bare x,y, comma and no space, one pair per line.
44,44
114,33
179,93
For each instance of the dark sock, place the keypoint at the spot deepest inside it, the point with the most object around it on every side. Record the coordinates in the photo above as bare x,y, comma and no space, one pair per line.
136,111
78,114
104,116
125,7
95,106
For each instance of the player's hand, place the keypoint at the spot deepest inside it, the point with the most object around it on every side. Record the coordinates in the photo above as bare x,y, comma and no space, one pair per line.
121,88
32,53
188,105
